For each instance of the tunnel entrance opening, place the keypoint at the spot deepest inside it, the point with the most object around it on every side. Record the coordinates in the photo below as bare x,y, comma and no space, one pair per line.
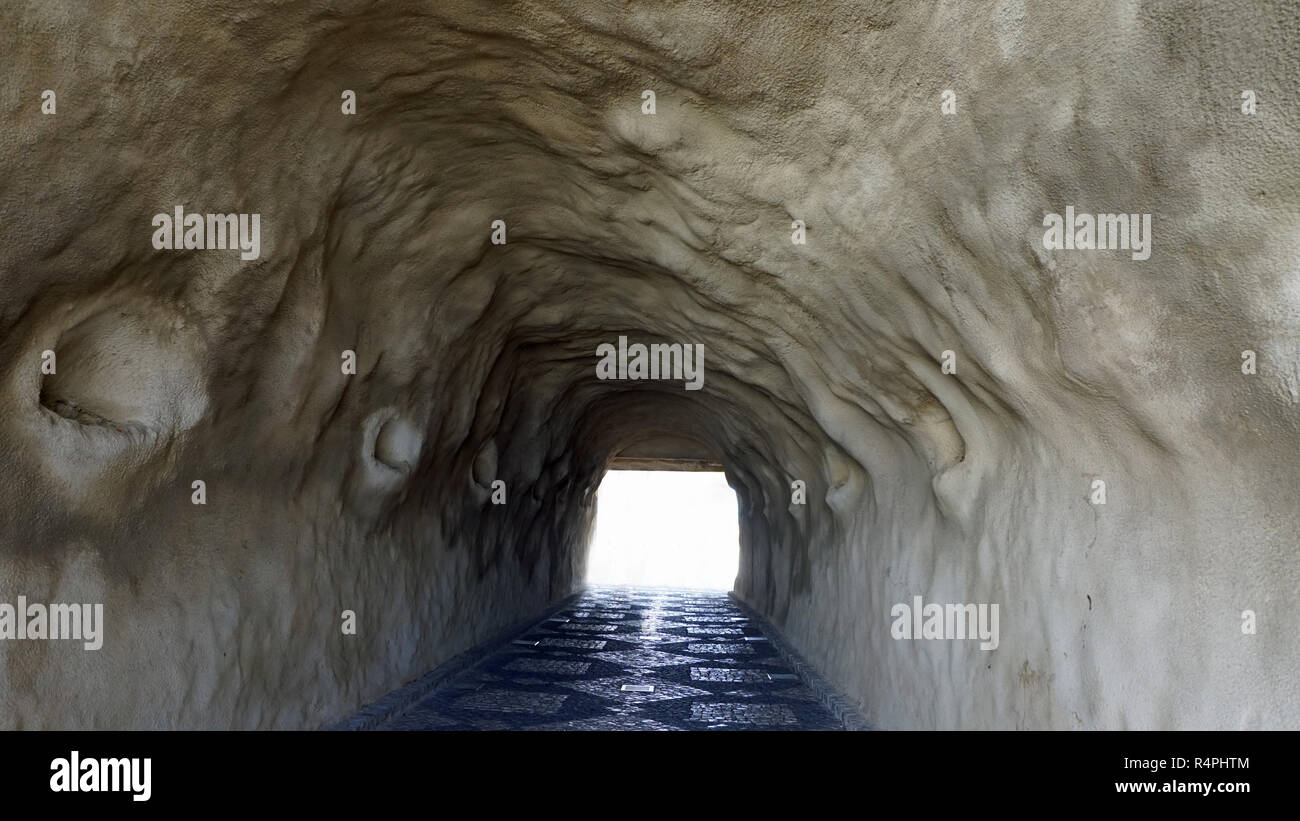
657,528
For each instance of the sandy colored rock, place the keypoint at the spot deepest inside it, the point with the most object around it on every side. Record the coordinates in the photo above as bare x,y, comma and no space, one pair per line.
475,362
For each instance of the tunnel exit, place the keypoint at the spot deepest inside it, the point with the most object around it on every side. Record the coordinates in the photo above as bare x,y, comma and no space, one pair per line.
665,529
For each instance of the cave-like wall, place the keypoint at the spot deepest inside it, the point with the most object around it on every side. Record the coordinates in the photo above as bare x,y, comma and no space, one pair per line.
475,361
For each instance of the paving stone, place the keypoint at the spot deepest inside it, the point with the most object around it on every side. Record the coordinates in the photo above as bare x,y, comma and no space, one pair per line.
510,701
644,658
579,644
727,674
536,665
612,688
609,723
648,638
729,649
764,714
691,647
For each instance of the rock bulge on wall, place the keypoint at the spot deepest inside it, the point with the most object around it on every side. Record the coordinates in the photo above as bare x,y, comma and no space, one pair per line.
475,362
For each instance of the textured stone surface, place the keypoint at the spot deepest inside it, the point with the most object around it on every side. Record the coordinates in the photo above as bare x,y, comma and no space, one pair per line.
652,683
476,362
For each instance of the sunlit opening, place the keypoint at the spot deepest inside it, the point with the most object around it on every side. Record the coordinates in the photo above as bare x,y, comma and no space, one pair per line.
665,529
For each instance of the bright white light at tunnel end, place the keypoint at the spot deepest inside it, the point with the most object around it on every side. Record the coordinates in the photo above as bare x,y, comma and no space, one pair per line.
666,529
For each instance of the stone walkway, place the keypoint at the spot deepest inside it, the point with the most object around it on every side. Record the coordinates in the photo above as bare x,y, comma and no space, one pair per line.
628,659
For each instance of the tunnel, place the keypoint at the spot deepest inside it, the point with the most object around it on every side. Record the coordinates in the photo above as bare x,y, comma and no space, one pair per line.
322,322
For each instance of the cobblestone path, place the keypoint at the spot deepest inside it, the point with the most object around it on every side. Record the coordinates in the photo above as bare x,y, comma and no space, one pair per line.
628,659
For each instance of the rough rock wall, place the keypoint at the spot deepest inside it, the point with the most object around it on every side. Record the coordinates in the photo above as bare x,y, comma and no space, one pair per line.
475,361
